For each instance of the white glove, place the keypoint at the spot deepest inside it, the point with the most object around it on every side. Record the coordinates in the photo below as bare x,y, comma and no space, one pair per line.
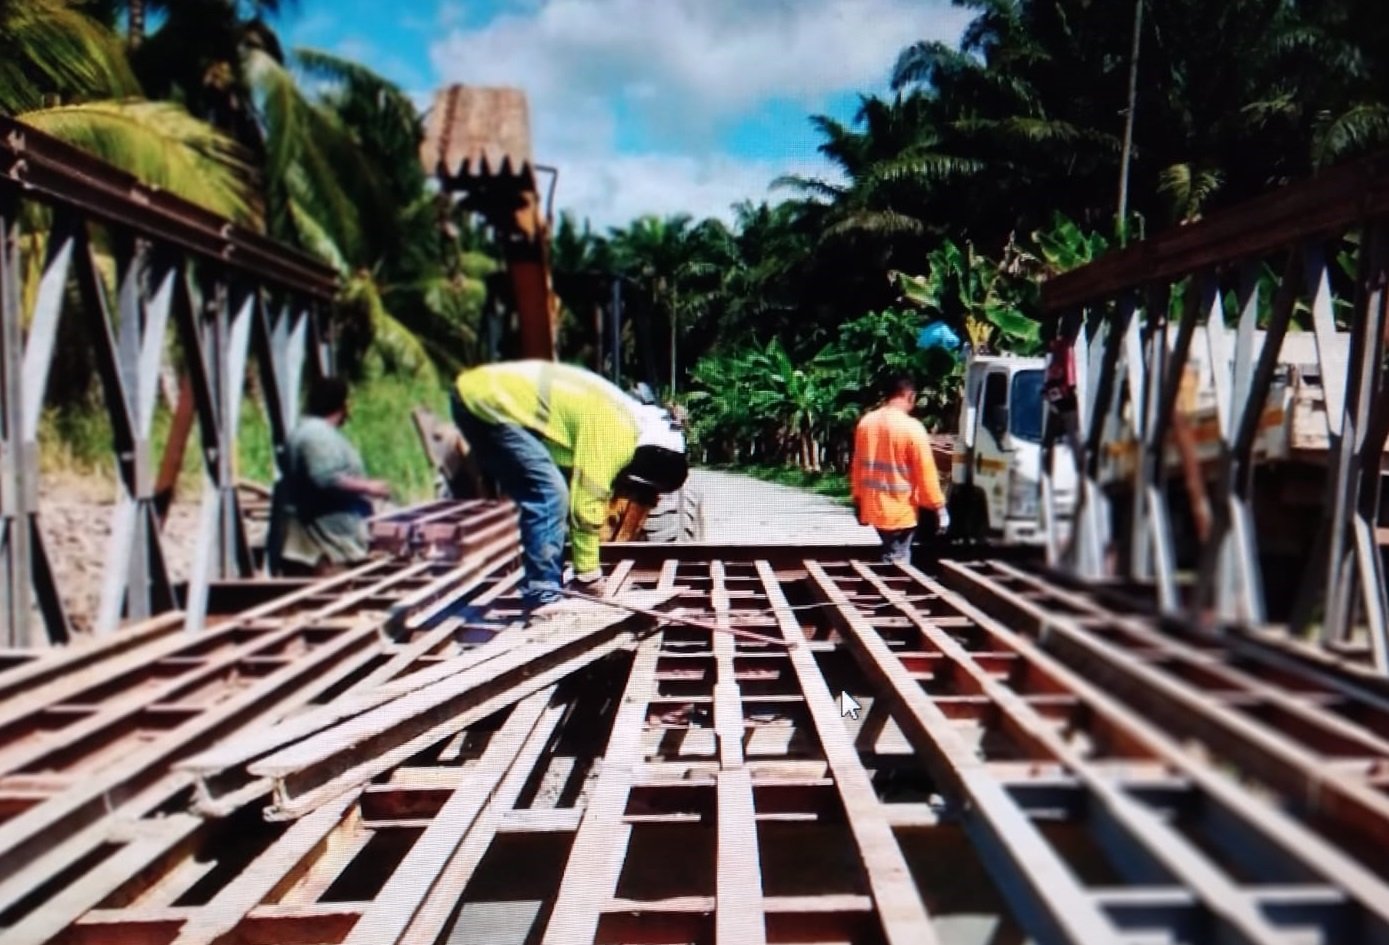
942,521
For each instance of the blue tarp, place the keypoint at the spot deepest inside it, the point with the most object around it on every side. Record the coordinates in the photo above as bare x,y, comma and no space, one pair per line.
938,335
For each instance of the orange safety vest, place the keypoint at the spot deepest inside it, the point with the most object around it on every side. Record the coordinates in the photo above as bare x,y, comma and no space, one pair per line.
893,473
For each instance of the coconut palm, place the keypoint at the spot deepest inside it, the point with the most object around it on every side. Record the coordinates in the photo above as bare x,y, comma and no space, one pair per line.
52,52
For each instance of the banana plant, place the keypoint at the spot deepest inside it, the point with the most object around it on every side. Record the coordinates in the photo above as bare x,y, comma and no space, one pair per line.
975,296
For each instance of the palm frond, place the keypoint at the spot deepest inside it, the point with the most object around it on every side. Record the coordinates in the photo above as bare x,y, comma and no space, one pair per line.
49,49
877,224
809,186
164,147
1353,131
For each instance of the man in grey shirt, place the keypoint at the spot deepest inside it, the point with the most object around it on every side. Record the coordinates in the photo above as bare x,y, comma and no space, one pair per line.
326,493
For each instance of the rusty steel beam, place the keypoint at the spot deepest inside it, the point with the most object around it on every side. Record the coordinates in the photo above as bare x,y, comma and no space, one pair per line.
41,166
983,759
1337,200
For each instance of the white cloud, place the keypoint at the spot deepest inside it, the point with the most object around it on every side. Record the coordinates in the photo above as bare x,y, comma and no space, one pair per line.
681,71
613,190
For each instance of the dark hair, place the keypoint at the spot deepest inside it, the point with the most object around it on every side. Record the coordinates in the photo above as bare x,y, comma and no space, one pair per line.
327,396
897,385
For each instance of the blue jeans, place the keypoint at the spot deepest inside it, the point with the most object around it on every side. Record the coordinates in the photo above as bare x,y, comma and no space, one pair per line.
897,544
523,469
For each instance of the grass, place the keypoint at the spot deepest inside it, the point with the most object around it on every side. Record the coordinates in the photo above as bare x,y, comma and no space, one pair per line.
832,484
79,441
379,426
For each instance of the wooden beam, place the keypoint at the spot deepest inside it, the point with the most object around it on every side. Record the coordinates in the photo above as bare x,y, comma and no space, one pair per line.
1043,889
900,906
595,860
357,750
413,879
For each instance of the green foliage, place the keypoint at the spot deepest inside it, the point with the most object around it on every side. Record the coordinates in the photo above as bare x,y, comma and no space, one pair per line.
50,51
165,147
379,427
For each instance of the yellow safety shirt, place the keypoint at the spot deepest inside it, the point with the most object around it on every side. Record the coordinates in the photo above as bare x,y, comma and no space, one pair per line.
893,472
586,424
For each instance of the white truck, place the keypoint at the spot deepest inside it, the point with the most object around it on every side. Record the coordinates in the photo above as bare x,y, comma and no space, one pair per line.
995,474
996,463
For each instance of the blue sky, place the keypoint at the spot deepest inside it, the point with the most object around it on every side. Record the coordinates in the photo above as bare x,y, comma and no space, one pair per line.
646,106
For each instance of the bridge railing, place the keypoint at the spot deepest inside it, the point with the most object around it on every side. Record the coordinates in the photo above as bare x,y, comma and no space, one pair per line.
232,297
1313,253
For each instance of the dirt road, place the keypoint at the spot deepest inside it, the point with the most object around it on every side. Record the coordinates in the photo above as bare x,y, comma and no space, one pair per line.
742,510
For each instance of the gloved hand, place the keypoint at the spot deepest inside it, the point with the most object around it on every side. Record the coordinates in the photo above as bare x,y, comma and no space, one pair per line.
942,521
590,582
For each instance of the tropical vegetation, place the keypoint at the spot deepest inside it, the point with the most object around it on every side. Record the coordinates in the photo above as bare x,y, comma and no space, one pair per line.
986,166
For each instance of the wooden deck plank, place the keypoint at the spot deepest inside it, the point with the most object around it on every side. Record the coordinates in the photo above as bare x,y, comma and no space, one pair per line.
595,860
738,883
900,909
395,907
1045,890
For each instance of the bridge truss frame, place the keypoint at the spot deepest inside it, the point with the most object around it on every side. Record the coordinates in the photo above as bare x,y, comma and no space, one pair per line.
232,295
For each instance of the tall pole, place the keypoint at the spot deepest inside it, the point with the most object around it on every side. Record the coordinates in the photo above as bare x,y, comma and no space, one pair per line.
674,316
615,335
1126,154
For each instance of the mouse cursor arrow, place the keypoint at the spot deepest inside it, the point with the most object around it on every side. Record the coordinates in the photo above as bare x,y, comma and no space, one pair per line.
848,707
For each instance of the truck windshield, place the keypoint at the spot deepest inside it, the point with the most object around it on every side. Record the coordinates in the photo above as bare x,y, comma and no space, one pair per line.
1025,415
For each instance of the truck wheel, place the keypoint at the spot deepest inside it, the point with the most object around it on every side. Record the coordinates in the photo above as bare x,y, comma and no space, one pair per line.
678,516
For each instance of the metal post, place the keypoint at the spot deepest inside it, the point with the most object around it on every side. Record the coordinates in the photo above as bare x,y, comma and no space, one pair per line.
1364,418
1334,366
1130,114
1165,382
15,582
1091,540
615,313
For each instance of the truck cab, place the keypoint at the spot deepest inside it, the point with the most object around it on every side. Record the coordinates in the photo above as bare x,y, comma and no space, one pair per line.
995,471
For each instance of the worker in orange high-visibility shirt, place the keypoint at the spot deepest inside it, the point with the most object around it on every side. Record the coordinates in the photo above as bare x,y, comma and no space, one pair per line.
893,473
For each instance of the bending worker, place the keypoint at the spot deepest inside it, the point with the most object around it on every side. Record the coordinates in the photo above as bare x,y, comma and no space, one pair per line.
893,473
525,420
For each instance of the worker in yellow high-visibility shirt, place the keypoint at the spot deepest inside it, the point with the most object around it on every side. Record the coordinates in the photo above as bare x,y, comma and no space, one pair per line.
525,420
893,473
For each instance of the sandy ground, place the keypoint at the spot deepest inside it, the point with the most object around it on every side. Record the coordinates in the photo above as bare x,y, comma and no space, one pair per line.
741,510
75,519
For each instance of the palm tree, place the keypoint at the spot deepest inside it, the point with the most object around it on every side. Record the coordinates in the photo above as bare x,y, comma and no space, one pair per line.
51,52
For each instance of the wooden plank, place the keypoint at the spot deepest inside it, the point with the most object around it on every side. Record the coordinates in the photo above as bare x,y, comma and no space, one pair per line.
900,908
1043,890
357,750
226,910
595,860
413,879
155,840
738,882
